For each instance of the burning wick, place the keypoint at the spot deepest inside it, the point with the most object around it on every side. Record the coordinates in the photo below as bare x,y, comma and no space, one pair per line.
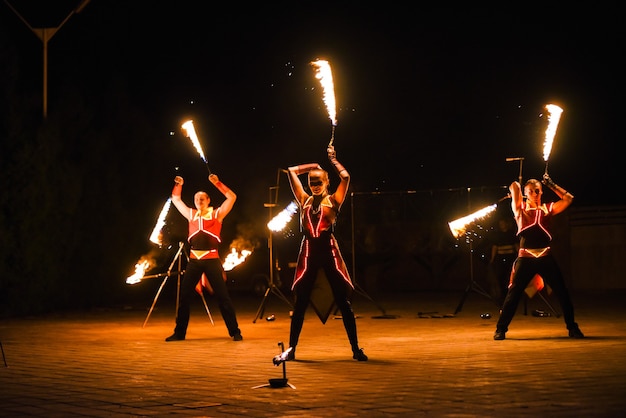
554,116
459,226
191,134
325,76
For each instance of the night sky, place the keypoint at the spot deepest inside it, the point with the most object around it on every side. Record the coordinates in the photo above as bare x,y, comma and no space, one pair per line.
428,97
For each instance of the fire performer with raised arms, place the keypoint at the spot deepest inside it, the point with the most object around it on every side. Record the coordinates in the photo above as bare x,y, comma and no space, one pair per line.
319,248
205,226
535,257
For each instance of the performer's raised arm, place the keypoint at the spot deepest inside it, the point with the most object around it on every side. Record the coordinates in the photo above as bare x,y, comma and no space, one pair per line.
231,197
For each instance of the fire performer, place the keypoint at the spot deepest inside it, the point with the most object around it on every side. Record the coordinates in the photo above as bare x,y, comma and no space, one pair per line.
205,225
319,248
534,256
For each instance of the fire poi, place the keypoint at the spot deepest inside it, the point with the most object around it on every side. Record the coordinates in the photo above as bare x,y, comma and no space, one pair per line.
554,115
324,74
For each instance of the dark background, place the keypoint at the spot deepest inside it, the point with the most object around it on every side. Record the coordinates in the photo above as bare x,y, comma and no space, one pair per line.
429,98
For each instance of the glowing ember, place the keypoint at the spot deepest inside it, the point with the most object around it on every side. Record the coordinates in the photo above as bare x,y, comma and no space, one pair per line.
140,270
191,134
156,235
234,258
554,116
325,76
279,221
459,226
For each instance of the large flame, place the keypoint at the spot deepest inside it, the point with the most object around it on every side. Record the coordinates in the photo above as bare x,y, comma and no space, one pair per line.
191,134
156,235
554,115
459,226
325,76
140,271
234,258
278,222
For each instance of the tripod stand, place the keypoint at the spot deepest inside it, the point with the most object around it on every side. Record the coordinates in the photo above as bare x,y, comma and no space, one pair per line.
179,273
3,357
357,288
273,198
472,285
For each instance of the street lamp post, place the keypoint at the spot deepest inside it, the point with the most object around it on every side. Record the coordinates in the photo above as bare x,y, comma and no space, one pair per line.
45,34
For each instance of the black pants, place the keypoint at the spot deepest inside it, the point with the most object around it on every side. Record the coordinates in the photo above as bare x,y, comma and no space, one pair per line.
524,269
214,273
340,291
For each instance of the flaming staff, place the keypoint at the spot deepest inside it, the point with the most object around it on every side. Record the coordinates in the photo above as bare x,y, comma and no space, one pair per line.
191,134
156,235
458,227
324,74
554,115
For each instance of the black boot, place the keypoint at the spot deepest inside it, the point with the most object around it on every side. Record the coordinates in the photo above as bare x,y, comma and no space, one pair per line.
292,354
358,354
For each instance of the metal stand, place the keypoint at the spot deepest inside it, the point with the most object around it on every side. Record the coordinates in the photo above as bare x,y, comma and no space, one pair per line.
279,382
3,357
472,285
273,198
357,288
179,273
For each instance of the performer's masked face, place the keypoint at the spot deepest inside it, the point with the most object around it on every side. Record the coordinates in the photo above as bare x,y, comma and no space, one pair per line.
318,181
533,192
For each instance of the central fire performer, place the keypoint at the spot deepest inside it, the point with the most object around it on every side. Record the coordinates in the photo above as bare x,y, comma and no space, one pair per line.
319,248
535,256
205,226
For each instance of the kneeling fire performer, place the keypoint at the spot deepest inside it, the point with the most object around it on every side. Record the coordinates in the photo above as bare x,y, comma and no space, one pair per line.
205,226
319,248
535,256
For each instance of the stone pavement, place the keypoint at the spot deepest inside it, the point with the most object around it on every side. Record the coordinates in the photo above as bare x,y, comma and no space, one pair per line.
104,363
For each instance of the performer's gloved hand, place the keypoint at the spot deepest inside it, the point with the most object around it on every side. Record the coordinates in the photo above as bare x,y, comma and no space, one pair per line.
548,181
178,180
332,155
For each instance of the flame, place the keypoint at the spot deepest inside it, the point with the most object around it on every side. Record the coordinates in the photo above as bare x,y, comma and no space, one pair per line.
191,134
140,270
234,258
554,116
279,221
458,226
325,76
156,235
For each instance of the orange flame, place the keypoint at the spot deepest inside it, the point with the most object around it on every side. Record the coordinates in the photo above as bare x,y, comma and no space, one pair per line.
554,116
279,221
191,134
234,258
325,76
459,226
140,270
156,236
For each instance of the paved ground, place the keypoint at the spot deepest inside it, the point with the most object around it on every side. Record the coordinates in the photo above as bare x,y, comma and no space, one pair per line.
106,364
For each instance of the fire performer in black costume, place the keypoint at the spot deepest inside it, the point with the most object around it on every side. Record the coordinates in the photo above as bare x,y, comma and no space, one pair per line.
319,248
534,257
205,226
